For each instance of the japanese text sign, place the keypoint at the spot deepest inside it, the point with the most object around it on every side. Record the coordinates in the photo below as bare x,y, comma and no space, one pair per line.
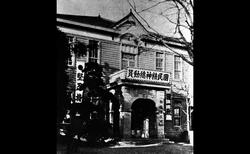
147,75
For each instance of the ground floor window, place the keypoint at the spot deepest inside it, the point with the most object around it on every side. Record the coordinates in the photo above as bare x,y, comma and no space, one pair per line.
111,113
177,121
177,118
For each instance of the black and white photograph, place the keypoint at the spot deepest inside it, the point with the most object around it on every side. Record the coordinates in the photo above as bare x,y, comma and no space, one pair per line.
124,78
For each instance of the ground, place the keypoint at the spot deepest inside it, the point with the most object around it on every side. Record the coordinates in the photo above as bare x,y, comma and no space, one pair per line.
167,148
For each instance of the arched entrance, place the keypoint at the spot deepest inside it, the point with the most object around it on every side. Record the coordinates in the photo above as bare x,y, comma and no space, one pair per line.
143,119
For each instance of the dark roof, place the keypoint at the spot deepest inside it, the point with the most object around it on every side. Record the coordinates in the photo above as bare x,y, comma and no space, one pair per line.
107,23
92,20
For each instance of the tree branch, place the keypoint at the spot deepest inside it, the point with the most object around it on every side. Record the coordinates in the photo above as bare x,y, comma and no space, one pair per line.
185,8
151,6
181,55
179,5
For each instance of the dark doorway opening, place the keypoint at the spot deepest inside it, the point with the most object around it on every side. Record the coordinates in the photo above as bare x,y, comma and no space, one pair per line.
143,119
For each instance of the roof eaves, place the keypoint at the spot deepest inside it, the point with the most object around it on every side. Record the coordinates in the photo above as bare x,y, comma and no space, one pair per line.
87,25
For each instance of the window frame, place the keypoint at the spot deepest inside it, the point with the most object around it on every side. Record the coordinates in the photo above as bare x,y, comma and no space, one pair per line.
174,70
128,60
178,109
159,58
177,116
97,52
128,49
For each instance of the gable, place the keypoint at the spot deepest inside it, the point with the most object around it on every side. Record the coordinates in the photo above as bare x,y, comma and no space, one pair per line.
130,25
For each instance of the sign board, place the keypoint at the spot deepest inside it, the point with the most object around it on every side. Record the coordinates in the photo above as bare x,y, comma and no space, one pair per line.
79,80
147,75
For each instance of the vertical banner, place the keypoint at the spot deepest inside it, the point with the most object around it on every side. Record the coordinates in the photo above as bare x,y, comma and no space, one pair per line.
160,115
160,123
80,65
168,105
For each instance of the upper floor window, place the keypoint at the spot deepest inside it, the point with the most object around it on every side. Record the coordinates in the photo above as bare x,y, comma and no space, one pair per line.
159,61
177,67
94,51
128,60
128,55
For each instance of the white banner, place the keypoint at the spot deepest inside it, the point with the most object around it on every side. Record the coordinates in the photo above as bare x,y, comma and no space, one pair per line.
147,75
80,65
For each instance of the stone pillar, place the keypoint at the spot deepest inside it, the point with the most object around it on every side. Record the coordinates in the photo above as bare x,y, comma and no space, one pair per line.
160,114
145,128
126,124
160,125
116,108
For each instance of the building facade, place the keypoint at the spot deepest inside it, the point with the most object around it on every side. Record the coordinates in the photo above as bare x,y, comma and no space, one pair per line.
148,79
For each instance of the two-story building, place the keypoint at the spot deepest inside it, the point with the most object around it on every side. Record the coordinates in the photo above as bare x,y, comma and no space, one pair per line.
148,78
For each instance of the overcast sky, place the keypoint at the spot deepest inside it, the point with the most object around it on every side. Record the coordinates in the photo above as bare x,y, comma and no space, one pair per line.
111,9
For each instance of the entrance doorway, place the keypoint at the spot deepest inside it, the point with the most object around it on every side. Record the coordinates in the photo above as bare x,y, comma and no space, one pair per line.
143,119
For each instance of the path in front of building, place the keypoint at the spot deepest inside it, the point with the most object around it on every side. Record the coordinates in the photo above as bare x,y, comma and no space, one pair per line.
128,148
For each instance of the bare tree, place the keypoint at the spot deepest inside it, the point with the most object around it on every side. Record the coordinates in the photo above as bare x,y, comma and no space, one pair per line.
184,91
179,13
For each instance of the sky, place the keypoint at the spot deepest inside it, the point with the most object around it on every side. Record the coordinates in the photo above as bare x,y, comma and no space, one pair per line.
112,9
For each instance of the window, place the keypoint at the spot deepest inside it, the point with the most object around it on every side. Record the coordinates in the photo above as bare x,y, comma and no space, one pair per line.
128,60
177,122
177,67
159,61
111,113
168,96
129,53
177,118
177,112
93,51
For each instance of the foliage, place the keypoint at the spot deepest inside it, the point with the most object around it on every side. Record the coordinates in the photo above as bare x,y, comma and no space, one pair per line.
94,107
91,124
79,48
62,55
95,101
181,136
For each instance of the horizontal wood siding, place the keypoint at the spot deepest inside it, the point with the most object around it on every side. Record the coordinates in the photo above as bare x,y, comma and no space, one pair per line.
110,54
169,64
